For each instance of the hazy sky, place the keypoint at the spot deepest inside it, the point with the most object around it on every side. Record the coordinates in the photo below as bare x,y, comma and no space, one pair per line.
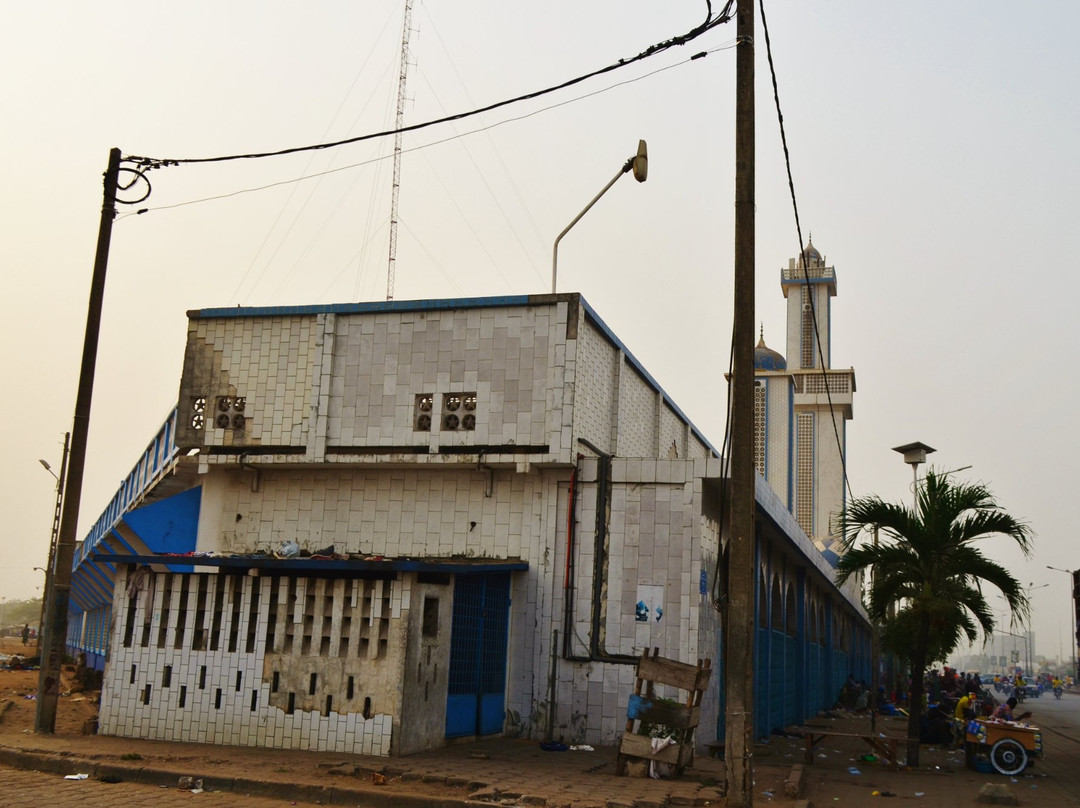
934,155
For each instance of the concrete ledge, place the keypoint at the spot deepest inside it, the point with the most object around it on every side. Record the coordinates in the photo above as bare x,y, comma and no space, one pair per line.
796,781
325,795
42,762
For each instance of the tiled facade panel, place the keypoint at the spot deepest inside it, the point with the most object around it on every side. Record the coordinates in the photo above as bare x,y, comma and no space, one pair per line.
778,448
619,411
829,484
655,549
267,361
506,356
597,377
652,540
698,449
393,512
637,415
188,663
672,434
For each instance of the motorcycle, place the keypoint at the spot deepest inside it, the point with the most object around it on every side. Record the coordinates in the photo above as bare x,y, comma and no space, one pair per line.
1057,692
1020,694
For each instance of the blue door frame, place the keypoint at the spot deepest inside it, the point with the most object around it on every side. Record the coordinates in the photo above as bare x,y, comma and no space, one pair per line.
476,698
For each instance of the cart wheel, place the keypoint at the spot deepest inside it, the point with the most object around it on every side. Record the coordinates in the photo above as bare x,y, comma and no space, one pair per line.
1008,757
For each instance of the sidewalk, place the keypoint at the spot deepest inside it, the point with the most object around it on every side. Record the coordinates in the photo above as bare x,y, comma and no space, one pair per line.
512,772
492,772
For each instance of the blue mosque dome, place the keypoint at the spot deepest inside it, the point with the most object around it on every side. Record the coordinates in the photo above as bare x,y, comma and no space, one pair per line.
765,358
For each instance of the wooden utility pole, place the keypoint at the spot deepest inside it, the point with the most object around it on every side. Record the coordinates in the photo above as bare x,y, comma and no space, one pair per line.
739,631
52,654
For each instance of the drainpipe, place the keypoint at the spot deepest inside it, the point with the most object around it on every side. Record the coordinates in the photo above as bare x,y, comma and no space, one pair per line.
597,651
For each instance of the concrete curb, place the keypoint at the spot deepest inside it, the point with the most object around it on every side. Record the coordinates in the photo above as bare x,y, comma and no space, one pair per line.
796,781
326,795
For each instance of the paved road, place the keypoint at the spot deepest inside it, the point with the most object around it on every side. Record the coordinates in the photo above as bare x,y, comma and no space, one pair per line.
1060,724
21,787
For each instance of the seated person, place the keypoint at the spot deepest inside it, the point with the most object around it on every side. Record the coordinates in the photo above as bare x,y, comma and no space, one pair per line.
1004,712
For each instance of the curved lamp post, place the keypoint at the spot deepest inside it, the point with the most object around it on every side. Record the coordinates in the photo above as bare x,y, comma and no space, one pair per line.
639,163
54,534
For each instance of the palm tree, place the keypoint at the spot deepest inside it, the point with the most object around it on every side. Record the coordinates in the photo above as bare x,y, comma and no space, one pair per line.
926,565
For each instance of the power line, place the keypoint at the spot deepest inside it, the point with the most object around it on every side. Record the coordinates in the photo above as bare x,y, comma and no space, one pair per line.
448,139
802,255
709,23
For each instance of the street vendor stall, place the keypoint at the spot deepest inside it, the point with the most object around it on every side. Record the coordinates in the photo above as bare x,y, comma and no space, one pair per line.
1010,746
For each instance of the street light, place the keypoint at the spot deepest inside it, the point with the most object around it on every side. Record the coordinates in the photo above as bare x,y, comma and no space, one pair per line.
914,455
640,165
1076,636
57,512
1027,628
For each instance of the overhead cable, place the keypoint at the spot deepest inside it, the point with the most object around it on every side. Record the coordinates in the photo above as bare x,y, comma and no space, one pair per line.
802,254
709,23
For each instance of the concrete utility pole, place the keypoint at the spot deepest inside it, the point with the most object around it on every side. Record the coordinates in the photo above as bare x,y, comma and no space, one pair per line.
52,654
739,632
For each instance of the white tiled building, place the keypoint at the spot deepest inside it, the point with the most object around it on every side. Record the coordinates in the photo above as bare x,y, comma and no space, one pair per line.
499,509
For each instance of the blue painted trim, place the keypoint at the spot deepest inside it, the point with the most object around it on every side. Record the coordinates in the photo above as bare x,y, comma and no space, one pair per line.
791,449
377,306
828,331
768,423
114,535
169,525
463,567
95,579
154,462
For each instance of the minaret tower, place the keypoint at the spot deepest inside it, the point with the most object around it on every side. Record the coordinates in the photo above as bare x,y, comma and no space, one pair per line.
822,399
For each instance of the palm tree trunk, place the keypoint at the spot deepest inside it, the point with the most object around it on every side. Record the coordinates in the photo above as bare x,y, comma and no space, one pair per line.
918,666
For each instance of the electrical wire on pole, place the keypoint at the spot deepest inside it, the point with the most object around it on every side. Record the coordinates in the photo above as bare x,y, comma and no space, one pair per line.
399,121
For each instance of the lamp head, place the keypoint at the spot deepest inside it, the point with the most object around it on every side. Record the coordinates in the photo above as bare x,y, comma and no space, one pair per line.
641,162
914,453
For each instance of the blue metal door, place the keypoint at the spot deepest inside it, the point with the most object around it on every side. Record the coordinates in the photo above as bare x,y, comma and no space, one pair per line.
476,699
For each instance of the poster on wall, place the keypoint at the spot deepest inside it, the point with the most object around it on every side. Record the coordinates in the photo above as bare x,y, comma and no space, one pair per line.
650,604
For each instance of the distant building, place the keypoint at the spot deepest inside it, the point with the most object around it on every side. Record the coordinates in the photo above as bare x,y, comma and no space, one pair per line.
374,527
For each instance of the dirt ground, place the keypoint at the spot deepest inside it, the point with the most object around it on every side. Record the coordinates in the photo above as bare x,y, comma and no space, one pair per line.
18,692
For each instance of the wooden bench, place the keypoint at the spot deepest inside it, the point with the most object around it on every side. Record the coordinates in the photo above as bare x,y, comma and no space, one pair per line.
884,746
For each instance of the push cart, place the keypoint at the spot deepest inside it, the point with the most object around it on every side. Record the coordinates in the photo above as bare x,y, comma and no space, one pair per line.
1009,746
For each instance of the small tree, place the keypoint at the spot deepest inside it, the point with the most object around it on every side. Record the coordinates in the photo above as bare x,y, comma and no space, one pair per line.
926,565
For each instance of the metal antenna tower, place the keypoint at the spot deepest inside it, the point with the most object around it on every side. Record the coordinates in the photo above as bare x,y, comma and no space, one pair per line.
398,123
